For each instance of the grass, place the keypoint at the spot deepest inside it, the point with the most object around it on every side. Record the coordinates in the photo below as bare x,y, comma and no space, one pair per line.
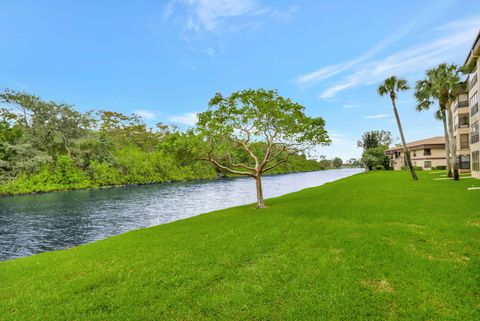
374,246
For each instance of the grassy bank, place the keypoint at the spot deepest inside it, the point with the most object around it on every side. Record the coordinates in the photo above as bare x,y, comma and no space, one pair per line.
373,246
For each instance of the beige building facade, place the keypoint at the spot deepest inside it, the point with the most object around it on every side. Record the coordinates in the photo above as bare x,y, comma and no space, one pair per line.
426,153
473,92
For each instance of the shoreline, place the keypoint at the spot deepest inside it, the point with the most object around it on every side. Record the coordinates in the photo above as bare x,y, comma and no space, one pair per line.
151,183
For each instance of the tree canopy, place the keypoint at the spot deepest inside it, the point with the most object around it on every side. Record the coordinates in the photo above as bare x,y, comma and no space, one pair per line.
253,131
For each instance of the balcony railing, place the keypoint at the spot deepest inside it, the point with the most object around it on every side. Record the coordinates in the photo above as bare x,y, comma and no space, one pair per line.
461,104
472,82
475,138
474,109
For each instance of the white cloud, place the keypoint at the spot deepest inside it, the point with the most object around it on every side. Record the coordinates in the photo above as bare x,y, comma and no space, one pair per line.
211,15
378,116
189,119
442,45
145,114
200,18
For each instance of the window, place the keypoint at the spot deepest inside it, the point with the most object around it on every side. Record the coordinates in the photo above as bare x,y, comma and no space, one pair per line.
427,152
475,161
427,164
464,141
474,133
474,104
414,153
464,162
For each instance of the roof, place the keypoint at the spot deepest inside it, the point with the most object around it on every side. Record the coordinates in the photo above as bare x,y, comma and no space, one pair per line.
437,140
471,52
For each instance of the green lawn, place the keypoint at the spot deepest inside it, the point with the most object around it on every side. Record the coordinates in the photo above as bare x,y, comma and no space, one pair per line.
374,246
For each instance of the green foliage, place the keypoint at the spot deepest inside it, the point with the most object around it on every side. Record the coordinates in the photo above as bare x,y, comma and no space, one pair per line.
374,157
417,168
253,131
337,162
48,146
374,144
375,138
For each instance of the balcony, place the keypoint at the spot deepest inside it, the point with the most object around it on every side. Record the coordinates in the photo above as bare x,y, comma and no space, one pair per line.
462,103
474,109
472,82
475,138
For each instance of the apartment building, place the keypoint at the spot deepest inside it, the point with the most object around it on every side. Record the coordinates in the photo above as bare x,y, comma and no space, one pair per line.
473,92
426,153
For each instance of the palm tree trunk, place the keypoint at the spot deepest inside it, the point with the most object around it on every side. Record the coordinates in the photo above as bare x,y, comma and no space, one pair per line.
260,202
447,143
404,144
453,145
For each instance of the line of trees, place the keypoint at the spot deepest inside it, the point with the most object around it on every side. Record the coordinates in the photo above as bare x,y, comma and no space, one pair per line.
47,146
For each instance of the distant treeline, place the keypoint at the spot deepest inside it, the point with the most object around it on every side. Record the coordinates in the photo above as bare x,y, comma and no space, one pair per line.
48,146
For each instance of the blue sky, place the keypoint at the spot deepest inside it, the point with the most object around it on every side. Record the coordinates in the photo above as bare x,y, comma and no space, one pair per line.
165,59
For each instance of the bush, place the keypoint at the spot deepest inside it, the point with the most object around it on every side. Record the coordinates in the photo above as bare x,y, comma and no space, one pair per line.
379,168
440,168
417,168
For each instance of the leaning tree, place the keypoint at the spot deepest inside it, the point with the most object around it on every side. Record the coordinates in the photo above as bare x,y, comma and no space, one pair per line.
253,131
391,86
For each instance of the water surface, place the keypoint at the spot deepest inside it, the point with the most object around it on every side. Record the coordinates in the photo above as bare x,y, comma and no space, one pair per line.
45,222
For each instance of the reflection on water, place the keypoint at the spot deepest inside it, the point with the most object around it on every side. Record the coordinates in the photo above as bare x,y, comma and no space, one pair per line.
45,222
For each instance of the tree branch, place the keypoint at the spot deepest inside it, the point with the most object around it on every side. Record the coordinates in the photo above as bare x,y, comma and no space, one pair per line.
276,164
232,171
239,165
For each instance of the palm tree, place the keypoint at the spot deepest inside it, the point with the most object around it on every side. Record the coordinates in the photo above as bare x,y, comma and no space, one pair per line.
425,99
392,86
443,82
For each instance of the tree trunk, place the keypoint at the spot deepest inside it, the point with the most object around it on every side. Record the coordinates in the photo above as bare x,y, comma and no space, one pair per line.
447,143
260,202
404,144
453,145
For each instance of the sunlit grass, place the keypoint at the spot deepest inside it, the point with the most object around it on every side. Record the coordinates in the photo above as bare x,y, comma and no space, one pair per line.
375,246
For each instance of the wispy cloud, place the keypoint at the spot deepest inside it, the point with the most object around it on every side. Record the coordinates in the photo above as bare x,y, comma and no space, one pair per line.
378,116
209,15
146,114
443,43
202,18
326,72
189,119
